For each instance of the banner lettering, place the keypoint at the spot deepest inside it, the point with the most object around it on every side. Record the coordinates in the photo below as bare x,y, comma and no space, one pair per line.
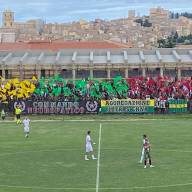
127,106
58,107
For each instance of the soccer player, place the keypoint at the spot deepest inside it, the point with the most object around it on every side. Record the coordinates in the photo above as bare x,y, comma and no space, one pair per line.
89,148
3,114
26,124
146,146
18,114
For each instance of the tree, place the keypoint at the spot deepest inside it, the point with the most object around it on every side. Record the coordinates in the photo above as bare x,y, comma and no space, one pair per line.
176,35
161,43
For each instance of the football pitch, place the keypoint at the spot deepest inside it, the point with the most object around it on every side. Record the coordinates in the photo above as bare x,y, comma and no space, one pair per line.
52,158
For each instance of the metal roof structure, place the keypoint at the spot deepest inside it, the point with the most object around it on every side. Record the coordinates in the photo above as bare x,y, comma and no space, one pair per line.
97,57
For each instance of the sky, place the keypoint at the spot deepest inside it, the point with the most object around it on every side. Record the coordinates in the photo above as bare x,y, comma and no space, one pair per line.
62,11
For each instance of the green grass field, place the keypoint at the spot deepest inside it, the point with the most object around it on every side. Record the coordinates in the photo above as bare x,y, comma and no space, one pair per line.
52,159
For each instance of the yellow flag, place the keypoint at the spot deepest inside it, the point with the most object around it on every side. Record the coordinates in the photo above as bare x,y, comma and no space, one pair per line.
7,86
15,81
34,78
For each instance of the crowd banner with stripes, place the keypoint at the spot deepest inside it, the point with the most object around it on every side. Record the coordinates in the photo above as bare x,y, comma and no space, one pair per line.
178,106
127,106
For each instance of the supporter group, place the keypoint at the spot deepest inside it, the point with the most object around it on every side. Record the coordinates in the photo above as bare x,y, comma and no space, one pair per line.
58,88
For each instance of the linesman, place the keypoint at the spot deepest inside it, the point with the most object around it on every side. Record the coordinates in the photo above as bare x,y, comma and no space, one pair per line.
18,114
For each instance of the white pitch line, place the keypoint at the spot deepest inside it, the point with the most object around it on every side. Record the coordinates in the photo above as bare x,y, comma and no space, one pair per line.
91,120
148,187
102,188
47,188
98,160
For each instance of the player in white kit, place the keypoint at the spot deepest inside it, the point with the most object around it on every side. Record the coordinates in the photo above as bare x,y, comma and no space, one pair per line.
142,153
89,148
26,123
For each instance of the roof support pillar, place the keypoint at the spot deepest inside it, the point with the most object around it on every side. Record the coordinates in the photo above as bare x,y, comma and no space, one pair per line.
108,56
74,74
108,73
21,71
3,71
126,73
179,73
142,57
144,72
38,71
176,55
91,73
91,56
159,57
6,58
74,57
57,57
161,72
40,57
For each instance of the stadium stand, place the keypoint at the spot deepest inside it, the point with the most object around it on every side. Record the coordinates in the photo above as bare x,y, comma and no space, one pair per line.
54,88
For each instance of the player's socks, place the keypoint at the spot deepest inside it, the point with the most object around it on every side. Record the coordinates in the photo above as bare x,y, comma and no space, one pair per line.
86,159
149,161
145,163
93,157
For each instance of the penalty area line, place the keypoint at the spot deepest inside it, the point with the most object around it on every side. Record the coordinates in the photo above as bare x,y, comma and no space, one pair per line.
46,188
148,187
103,188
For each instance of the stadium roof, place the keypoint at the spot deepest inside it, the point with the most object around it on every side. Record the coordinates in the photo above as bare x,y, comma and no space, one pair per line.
58,45
97,56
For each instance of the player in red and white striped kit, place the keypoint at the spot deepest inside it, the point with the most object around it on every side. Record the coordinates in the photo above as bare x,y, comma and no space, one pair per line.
147,155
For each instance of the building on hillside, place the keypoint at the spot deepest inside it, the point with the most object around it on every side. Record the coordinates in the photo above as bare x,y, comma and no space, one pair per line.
7,37
8,18
159,14
184,26
131,14
23,30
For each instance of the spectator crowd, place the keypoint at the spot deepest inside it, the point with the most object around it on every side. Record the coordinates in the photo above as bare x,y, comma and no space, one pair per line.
57,88
164,88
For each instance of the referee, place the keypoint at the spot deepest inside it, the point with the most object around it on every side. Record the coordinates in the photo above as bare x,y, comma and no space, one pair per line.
18,114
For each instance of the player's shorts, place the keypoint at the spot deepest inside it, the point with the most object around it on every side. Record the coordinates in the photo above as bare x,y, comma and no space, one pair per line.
18,116
26,130
89,148
147,154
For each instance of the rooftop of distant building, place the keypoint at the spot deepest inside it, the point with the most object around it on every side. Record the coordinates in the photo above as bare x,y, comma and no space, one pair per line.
58,45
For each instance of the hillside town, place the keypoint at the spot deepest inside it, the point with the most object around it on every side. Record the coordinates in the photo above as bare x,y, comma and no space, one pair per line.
133,32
